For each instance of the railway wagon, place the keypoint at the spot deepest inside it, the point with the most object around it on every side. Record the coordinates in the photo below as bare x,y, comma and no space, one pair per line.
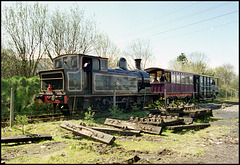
79,81
182,85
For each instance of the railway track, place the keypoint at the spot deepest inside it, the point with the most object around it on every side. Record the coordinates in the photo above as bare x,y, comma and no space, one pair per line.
37,118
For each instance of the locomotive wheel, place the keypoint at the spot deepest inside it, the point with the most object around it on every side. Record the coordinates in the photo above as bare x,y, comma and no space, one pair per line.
104,104
124,103
79,107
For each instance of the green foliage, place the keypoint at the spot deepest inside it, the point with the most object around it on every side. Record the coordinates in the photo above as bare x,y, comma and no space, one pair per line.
23,120
193,101
24,89
135,107
182,58
173,103
115,110
157,104
89,115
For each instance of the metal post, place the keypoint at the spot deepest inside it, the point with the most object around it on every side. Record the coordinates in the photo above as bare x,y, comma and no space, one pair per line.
114,101
12,108
165,99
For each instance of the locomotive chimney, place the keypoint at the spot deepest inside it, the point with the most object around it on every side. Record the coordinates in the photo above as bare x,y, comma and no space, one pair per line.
138,63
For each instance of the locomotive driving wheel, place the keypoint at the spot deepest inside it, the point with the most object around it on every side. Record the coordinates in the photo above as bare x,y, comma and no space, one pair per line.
123,103
104,104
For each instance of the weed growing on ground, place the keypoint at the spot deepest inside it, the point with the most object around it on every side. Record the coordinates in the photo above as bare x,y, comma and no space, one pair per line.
89,115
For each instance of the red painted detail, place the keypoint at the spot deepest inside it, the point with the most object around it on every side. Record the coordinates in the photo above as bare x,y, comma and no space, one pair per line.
65,99
172,89
46,100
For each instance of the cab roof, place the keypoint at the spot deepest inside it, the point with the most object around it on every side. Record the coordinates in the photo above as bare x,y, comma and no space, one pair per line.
90,56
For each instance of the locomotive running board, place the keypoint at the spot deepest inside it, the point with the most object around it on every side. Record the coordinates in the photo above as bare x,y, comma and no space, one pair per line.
88,132
135,126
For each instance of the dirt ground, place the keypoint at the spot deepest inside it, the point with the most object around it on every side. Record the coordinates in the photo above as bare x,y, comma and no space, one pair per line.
223,150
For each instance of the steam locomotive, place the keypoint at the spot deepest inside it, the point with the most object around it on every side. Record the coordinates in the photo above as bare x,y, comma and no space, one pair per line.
80,81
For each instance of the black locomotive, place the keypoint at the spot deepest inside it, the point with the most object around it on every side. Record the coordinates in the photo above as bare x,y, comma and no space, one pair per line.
80,81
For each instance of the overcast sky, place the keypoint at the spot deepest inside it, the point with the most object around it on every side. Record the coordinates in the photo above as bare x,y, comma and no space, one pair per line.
172,27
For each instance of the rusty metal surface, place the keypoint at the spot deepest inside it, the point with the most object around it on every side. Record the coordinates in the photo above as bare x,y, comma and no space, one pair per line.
135,126
88,132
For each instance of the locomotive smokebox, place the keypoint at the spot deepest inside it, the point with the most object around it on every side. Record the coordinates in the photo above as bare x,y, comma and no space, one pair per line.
138,63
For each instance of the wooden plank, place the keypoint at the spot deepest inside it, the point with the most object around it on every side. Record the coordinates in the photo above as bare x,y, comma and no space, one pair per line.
88,132
187,120
191,126
171,120
203,112
157,120
135,126
118,131
25,138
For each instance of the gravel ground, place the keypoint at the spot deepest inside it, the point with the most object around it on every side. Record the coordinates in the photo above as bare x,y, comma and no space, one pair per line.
226,149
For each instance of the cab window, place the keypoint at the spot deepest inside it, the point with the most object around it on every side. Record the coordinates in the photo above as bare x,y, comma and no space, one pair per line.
95,64
104,65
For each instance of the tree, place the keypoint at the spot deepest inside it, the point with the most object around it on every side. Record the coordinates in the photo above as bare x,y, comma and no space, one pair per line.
227,78
103,47
196,62
182,58
139,49
180,63
10,65
25,26
70,33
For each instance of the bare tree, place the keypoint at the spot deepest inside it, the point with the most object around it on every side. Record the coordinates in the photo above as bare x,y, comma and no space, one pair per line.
26,26
197,62
70,33
105,48
139,49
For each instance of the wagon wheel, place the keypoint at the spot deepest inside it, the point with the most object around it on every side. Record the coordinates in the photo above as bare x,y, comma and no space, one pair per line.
104,104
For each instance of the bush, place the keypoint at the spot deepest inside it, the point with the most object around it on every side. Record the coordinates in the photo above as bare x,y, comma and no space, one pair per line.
24,89
23,120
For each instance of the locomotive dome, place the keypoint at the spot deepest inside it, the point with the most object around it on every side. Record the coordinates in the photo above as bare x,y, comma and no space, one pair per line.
122,63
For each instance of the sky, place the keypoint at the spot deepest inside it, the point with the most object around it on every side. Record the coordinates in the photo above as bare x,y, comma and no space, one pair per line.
171,27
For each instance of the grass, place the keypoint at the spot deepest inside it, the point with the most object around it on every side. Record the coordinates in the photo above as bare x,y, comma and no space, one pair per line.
85,151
